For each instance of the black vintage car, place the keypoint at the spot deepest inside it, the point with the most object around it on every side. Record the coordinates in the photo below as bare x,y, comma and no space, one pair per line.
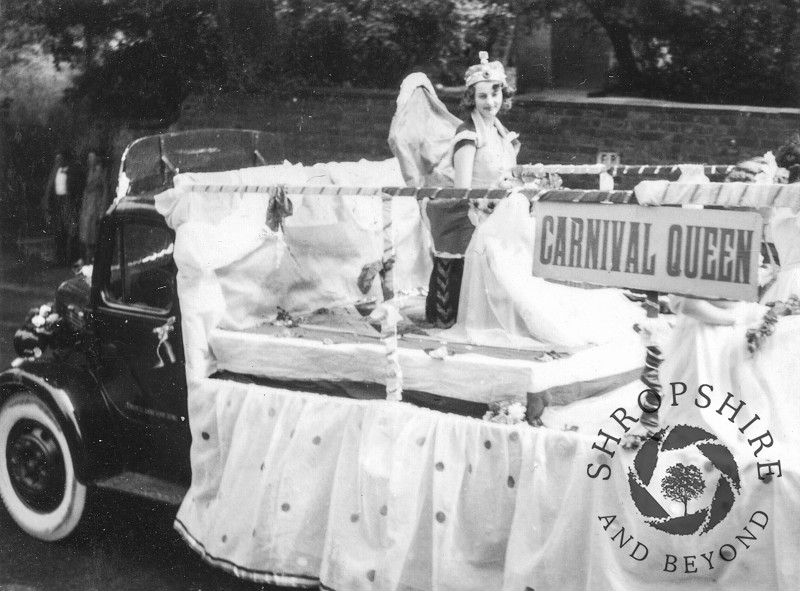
99,398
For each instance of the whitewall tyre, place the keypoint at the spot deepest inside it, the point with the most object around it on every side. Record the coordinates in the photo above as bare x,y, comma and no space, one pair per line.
37,473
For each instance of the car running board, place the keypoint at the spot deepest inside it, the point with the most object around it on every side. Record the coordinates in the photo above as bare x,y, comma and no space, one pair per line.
146,486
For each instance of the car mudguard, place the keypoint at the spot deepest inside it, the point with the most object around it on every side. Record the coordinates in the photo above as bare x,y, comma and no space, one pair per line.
73,395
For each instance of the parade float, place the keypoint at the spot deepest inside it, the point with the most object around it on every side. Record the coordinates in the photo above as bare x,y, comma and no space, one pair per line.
339,439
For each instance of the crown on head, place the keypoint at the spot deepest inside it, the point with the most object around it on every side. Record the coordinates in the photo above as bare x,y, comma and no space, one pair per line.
485,71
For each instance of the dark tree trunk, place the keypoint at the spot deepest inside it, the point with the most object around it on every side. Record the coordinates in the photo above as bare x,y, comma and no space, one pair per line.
630,78
531,59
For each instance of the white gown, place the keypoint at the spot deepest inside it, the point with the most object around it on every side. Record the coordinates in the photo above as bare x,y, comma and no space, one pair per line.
785,227
502,304
702,352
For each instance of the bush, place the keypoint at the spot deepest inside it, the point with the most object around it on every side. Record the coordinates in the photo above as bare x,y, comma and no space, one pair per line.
147,75
741,53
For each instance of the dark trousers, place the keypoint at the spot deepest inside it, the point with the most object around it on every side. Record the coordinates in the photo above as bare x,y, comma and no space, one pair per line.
66,247
444,289
64,229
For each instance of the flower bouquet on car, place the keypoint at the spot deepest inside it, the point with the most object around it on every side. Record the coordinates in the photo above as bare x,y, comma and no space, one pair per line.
37,333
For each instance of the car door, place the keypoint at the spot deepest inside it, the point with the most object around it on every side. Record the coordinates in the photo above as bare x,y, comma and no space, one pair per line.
140,361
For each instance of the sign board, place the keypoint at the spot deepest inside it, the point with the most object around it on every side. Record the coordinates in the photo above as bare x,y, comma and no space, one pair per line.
700,252
608,158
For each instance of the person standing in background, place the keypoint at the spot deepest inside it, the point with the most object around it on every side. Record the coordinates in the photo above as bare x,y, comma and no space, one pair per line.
59,207
94,203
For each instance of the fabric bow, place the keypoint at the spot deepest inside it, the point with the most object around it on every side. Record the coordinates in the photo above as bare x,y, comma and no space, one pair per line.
279,207
162,332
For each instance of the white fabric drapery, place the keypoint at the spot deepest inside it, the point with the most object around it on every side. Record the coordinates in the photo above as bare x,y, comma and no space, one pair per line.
291,488
232,275
303,489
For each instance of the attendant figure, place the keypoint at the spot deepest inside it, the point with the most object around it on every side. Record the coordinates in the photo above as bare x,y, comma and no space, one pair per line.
783,230
93,205
707,346
59,207
788,157
482,155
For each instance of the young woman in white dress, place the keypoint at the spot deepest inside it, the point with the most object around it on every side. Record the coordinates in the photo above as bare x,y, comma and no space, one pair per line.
482,154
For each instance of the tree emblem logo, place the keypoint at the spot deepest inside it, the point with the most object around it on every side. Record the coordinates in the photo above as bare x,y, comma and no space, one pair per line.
683,483
663,473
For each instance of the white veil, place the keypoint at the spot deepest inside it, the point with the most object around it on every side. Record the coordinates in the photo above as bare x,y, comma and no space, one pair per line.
421,132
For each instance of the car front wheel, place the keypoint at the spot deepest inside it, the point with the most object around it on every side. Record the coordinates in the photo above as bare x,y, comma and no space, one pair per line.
37,476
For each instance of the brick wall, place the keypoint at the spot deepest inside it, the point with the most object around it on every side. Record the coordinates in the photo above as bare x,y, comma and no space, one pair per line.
313,126
324,125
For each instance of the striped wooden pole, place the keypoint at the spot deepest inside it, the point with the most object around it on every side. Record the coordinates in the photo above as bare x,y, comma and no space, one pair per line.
420,193
653,359
388,315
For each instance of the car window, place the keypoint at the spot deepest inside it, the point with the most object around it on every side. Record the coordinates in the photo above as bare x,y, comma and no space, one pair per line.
142,269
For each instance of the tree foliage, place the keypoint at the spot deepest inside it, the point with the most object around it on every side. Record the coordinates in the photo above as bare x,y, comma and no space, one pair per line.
137,57
149,67
733,52
717,51
143,56
140,57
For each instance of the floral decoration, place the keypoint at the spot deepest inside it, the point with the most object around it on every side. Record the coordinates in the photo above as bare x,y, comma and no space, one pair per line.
756,336
40,326
284,318
45,320
506,412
